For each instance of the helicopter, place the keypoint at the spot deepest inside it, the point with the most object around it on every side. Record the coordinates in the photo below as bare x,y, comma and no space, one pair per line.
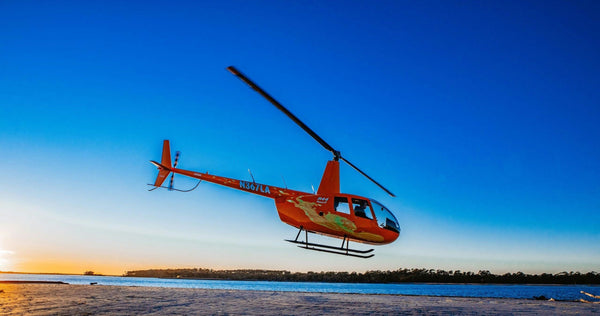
327,212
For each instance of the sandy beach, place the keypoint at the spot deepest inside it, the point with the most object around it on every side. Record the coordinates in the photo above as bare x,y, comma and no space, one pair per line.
63,299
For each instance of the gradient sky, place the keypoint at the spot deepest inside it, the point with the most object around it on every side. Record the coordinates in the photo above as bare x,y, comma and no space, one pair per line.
481,116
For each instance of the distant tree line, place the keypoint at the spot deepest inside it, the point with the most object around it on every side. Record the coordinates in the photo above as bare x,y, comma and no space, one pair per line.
397,276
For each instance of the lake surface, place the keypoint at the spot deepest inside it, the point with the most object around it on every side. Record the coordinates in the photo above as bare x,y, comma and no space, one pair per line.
558,292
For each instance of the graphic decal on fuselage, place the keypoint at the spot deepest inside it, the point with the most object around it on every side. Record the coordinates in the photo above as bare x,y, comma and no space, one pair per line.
333,221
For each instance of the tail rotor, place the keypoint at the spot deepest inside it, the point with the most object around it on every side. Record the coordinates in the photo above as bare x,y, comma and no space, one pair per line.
165,167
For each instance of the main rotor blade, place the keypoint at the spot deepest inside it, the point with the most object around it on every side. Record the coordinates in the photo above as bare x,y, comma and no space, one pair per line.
284,110
307,129
366,175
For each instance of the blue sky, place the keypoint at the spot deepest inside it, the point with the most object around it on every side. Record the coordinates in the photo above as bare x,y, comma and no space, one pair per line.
480,116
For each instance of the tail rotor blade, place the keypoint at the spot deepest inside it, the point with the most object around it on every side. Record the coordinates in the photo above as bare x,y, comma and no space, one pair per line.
173,174
171,182
176,159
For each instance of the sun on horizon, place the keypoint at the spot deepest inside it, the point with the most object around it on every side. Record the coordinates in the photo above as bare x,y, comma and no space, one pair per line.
5,264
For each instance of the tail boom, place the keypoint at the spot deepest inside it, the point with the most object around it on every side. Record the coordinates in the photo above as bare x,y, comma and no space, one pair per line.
165,168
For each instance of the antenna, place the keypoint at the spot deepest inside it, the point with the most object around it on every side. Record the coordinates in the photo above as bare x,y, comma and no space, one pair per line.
282,178
313,188
250,172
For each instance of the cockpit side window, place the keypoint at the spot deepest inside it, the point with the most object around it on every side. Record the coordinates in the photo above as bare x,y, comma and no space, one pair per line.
341,204
362,208
385,218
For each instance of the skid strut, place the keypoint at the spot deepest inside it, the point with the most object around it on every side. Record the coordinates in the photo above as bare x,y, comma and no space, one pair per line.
344,251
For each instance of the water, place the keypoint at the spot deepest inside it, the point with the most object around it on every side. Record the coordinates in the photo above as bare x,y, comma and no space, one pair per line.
558,292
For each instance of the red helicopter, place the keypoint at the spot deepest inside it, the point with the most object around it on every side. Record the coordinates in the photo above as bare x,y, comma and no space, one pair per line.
328,212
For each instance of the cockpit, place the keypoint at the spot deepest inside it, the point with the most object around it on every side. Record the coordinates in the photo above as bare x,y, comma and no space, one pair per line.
361,208
385,218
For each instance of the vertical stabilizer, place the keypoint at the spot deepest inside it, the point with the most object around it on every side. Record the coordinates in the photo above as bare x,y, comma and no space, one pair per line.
330,183
166,154
164,168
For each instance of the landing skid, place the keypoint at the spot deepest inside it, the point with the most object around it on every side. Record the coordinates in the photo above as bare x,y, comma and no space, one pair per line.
344,251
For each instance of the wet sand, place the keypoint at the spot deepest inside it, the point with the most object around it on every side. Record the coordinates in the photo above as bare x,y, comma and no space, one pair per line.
62,299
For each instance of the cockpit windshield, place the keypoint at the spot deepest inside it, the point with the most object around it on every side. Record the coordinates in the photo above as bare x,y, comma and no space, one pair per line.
385,218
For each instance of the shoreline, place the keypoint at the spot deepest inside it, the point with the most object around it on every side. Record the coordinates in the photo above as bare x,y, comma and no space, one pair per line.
32,282
44,299
562,295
